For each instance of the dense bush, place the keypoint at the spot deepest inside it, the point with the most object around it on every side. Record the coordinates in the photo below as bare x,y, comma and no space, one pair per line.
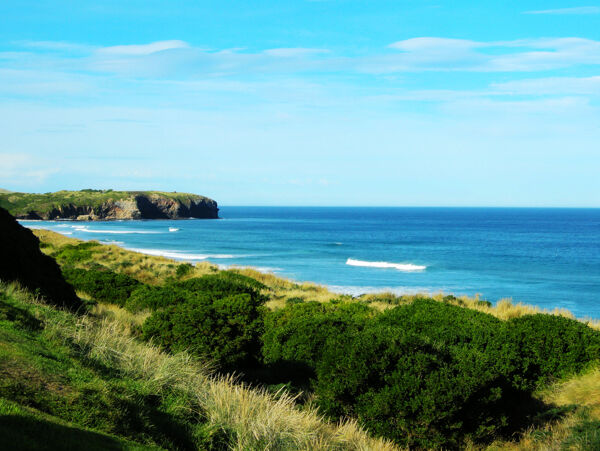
223,283
296,335
551,346
225,329
104,286
183,270
215,285
146,297
427,374
71,254
414,391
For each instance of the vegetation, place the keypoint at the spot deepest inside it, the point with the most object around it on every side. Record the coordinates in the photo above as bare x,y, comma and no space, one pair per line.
425,372
88,383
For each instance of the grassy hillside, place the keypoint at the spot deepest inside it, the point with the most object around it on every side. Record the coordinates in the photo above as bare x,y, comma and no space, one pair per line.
21,203
90,379
135,371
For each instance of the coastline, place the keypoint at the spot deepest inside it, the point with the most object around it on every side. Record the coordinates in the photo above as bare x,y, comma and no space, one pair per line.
287,288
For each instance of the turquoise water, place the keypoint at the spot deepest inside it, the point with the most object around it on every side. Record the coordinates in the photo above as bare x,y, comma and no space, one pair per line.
546,257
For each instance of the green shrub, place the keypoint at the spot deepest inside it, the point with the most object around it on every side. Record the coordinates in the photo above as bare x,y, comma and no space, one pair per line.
183,270
224,329
294,300
224,283
295,335
551,346
76,253
146,297
102,286
414,391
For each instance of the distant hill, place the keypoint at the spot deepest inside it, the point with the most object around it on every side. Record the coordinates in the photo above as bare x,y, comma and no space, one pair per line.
92,205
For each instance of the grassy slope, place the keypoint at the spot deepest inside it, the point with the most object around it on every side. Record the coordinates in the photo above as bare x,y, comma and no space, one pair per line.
86,382
21,203
25,428
579,430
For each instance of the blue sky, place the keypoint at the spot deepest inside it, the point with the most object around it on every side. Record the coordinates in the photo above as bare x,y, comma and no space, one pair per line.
340,102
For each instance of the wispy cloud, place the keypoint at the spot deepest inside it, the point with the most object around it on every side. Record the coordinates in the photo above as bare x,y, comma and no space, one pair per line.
181,60
560,11
24,167
553,86
144,49
525,55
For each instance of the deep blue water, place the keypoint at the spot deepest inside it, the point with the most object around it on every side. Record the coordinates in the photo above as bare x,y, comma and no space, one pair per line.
546,257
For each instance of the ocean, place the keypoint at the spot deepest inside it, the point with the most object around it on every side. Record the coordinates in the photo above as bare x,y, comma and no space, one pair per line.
545,257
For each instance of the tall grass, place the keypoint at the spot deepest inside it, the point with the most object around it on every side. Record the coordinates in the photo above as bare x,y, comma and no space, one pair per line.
252,418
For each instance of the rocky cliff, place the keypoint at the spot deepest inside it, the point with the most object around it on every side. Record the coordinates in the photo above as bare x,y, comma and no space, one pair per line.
97,205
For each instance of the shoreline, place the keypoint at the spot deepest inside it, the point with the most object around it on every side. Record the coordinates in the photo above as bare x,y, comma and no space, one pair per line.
504,308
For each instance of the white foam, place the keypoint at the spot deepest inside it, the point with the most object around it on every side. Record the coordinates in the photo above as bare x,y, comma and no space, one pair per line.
399,291
80,228
262,269
179,255
173,229
405,267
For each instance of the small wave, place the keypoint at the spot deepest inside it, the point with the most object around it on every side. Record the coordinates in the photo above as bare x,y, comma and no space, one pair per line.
406,267
262,269
115,242
173,229
397,290
116,232
179,255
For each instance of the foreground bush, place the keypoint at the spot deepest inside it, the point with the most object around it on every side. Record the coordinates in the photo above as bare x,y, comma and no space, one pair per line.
418,393
103,286
226,330
551,347
427,374
295,336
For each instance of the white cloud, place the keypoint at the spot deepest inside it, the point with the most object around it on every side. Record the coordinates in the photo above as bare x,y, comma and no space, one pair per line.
524,55
294,52
23,169
562,11
143,49
179,60
435,44
551,86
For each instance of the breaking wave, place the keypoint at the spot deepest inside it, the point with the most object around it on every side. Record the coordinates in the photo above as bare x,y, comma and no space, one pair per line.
179,255
81,228
406,267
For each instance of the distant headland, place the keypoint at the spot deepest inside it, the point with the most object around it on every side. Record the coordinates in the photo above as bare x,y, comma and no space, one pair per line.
104,205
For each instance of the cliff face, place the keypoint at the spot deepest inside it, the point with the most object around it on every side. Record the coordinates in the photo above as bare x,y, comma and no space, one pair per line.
21,260
109,205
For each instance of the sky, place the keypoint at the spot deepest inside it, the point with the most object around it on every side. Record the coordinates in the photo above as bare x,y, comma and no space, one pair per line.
323,102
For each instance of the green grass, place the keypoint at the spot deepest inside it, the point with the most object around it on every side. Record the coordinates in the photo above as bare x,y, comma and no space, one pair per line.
25,428
41,370
22,203
91,381
247,417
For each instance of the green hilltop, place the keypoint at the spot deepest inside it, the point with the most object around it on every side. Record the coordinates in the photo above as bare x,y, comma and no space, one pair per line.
107,204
